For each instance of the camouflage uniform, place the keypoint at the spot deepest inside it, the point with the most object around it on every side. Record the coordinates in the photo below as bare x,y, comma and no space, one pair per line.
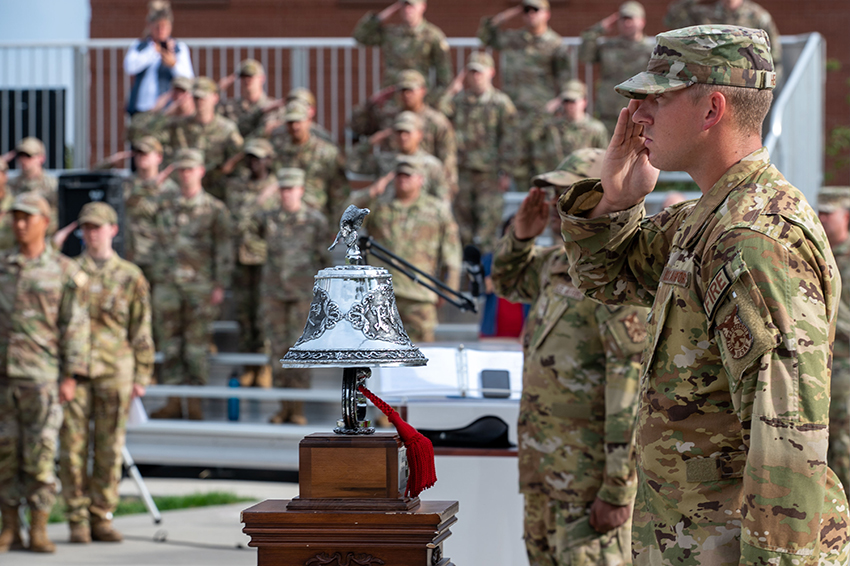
44,336
618,58
45,185
141,197
193,255
684,13
249,117
219,140
292,247
485,127
326,187
422,48
580,383
379,163
122,353
7,236
423,233
560,137
535,70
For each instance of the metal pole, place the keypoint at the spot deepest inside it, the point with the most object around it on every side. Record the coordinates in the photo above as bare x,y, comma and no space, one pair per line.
143,489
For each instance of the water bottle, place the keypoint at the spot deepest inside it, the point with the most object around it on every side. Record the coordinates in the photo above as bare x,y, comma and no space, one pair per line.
233,402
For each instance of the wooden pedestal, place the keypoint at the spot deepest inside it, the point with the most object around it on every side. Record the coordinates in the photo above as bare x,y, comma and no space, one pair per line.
351,510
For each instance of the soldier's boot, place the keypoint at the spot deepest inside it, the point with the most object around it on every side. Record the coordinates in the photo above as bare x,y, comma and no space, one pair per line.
282,415
102,530
39,542
10,536
296,413
264,377
196,413
249,376
172,410
80,532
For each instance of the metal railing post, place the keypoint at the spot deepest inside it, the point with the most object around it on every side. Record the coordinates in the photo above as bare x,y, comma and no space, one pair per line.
82,78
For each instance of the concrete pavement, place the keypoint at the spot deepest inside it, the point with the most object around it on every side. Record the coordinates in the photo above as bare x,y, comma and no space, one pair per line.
200,536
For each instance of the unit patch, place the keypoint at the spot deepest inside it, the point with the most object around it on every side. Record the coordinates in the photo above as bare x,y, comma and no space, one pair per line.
635,328
737,336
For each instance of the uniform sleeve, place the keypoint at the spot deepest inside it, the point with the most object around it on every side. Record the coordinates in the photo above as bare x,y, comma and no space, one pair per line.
234,144
442,63
362,160
623,337
446,150
615,258
508,148
447,105
516,269
338,187
489,34
769,314
74,327
223,255
561,68
253,249
588,51
139,333
369,30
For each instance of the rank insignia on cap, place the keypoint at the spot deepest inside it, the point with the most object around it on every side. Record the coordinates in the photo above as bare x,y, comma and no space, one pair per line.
634,328
736,335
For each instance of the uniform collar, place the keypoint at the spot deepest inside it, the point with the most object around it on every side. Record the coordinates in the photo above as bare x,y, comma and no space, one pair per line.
734,177
90,266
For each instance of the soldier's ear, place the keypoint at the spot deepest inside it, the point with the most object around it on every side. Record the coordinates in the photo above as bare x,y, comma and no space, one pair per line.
115,230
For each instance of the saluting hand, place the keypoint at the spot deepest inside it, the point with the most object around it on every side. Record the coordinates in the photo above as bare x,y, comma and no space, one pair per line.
533,215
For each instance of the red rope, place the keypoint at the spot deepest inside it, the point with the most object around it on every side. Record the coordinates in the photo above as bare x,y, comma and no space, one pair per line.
420,451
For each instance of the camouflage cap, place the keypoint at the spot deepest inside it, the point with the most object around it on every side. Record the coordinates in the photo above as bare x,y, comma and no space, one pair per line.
715,54
407,121
187,157
204,87
250,68
632,9
290,177
32,203
159,10
296,111
410,79
30,146
302,94
480,61
97,213
258,147
581,164
183,83
407,165
831,199
147,144
575,90
539,4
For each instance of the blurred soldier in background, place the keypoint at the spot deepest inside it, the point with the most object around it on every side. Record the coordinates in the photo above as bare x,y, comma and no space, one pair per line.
31,158
44,337
485,122
120,366
193,264
7,236
175,104
249,112
290,240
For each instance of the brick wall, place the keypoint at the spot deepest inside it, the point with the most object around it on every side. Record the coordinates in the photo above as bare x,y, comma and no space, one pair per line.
459,18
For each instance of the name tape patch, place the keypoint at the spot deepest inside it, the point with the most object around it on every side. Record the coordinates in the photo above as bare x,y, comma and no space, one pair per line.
678,277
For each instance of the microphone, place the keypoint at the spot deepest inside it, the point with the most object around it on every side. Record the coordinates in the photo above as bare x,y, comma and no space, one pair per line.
474,270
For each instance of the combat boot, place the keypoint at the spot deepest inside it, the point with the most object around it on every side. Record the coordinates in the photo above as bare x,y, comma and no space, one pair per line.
264,377
10,536
195,411
102,530
38,532
80,533
248,377
172,410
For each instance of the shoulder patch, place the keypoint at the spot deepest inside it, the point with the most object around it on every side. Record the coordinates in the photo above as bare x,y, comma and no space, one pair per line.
80,278
715,290
736,335
635,328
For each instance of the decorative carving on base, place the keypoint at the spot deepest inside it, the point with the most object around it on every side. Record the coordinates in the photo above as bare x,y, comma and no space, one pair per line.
335,356
350,559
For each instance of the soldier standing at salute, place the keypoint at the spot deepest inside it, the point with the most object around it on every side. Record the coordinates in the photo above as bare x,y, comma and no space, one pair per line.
193,264
250,112
732,426
44,337
31,156
290,239
120,367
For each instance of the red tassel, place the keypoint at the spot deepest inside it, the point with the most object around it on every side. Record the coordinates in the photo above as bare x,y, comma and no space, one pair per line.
420,451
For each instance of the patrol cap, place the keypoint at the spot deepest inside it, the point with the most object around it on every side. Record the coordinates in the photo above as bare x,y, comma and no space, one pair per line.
30,146
539,4
97,213
632,9
250,68
183,83
410,79
187,157
296,111
204,87
832,199
159,10
710,54
406,165
407,121
581,164
575,90
290,177
302,94
258,147
32,203
480,61
147,144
